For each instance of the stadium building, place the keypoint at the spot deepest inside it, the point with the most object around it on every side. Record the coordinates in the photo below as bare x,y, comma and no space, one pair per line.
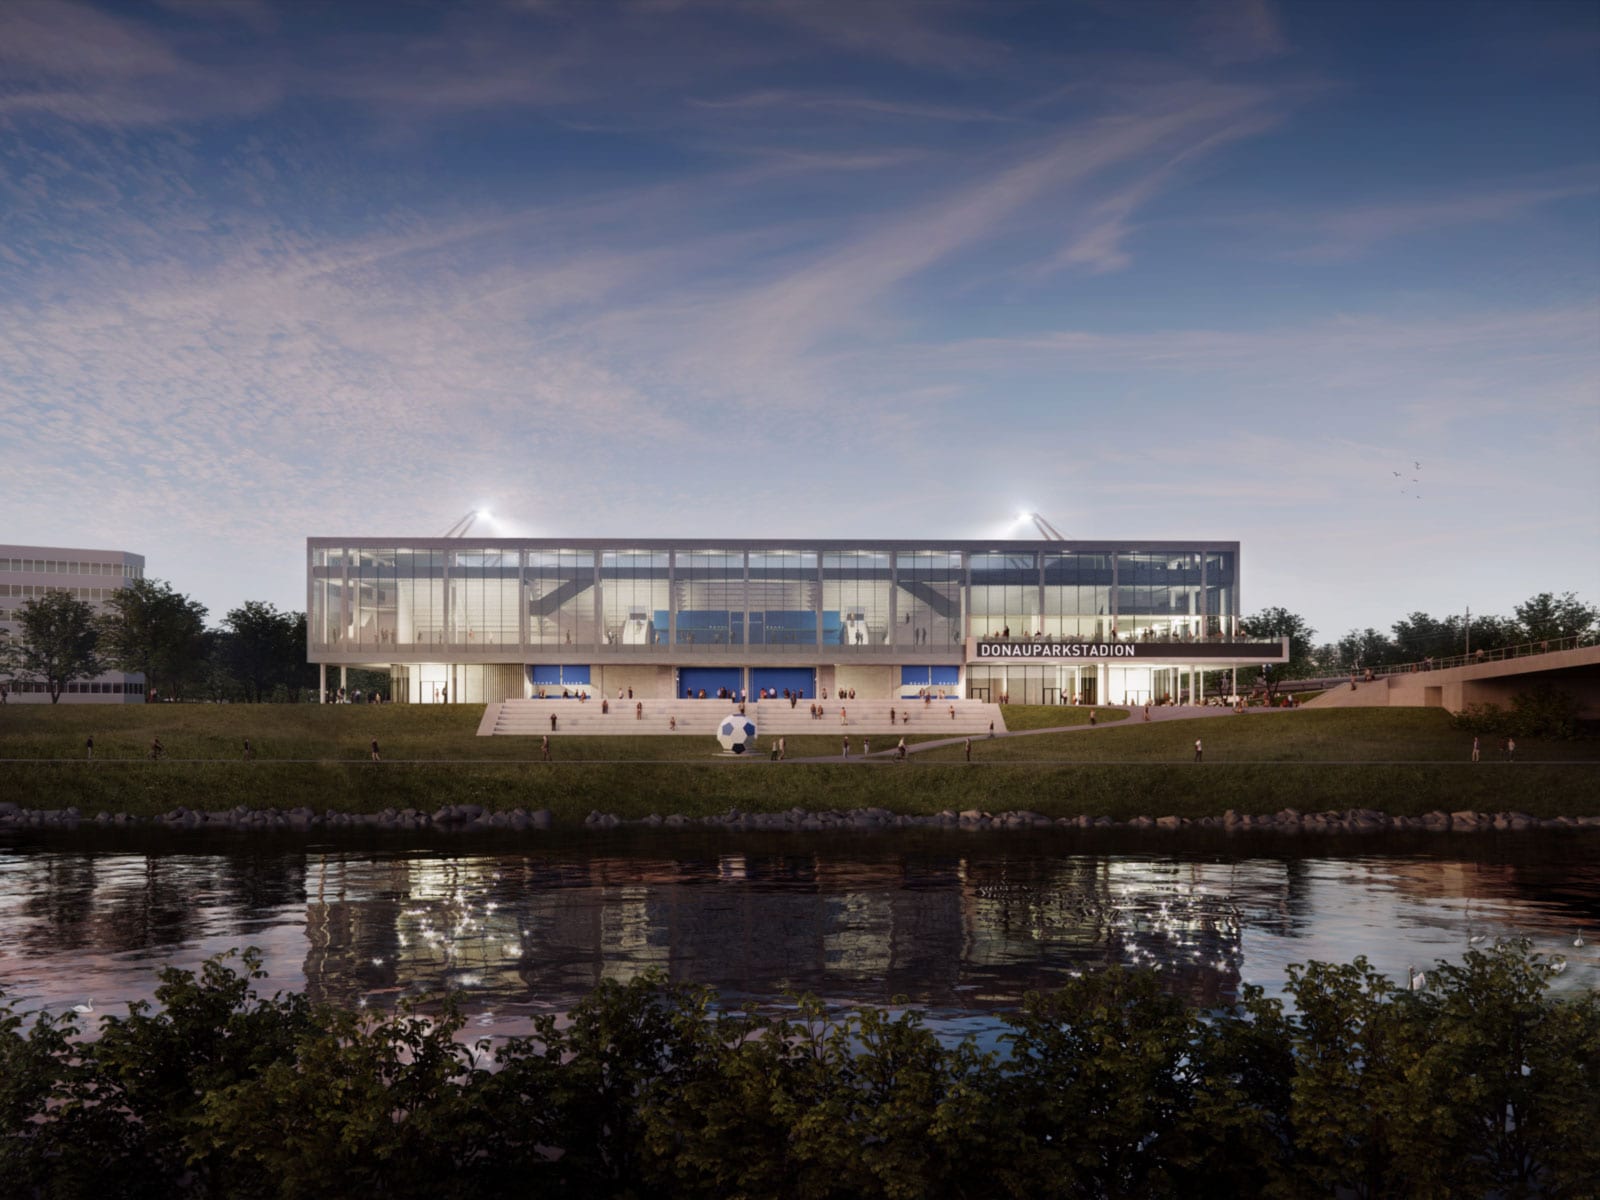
472,620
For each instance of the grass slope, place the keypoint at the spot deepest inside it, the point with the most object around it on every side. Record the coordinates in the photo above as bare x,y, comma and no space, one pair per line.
1399,760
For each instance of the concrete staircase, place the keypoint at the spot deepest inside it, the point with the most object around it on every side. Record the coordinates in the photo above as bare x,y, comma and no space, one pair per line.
773,718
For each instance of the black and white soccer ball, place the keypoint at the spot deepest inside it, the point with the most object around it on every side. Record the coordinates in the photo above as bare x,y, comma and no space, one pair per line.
737,734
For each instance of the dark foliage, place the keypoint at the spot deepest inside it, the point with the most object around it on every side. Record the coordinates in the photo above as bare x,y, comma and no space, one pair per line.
1476,1084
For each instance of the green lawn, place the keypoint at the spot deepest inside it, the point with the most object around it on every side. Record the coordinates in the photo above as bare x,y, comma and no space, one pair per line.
1400,760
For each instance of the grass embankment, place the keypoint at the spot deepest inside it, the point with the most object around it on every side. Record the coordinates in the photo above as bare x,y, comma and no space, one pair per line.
1398,760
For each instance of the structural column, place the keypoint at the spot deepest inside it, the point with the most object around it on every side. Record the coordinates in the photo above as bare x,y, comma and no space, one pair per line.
322,683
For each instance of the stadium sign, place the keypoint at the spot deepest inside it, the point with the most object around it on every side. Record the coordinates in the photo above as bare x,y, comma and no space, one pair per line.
1001,649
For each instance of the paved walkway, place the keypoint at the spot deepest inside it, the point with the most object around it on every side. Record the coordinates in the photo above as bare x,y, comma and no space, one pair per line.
1135,717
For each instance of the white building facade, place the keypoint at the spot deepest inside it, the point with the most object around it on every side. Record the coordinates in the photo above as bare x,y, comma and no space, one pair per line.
28,572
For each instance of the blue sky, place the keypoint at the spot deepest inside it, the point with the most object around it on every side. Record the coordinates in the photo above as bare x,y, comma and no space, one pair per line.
804,268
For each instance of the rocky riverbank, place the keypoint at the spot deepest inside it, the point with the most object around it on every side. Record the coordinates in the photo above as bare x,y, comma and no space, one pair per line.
470,818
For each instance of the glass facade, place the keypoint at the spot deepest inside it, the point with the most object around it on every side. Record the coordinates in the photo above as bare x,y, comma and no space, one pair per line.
855,599
930,587
430,603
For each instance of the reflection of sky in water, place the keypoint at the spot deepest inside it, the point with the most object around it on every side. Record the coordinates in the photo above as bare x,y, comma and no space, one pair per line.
960,927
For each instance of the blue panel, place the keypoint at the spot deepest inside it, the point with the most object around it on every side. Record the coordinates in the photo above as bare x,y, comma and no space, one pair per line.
946,676
775,679
783,627
916,676
552,675
692,679
832,627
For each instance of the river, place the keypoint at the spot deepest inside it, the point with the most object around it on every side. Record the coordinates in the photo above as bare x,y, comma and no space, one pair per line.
959,925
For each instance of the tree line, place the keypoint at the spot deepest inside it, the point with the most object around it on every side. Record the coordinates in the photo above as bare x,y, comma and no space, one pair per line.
1473,1081
257,653
1419,636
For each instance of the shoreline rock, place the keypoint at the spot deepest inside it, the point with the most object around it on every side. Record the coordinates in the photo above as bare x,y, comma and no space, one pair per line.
473,818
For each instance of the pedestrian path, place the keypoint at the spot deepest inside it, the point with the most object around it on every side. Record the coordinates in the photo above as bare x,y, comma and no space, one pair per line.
1135,717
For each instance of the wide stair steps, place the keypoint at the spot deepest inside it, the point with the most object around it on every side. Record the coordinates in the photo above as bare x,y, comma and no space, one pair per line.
773,718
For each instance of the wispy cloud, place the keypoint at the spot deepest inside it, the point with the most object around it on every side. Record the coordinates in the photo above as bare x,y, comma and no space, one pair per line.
1335,234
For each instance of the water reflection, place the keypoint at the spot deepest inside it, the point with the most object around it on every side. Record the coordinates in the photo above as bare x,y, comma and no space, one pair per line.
953,924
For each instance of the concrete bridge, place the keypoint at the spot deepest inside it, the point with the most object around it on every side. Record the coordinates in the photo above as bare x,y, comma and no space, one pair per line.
1574,670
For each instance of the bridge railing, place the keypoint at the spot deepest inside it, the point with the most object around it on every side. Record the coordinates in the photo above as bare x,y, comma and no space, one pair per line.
1478,657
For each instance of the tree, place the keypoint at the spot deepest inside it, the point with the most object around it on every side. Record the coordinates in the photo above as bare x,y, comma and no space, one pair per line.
1280,622
1420,636
150,628
1546,617
58,643
262,648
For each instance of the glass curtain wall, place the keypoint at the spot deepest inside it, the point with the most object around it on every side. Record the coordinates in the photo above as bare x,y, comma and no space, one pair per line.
1077,596
1158,596
329,617
374,596
928,593
635,594
419,586
1222,594
559,592
483,597
855,598
1005,595
710,597
783,598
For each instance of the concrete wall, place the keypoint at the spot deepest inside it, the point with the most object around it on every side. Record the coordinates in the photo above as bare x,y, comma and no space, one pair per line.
1575,672
875,682
647,682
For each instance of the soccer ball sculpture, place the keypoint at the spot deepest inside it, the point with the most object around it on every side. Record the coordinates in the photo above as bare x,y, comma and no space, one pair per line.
737,734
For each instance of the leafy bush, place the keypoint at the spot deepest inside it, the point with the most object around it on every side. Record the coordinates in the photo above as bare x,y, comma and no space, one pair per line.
1478,1084
1544,712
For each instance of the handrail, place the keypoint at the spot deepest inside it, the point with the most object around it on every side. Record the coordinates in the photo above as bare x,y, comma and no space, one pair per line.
1478,657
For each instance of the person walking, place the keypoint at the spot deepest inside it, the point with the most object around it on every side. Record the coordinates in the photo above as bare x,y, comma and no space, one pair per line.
88,747
866,745
991,730
552,722
1199,750
638,711
900,750
249,751
1511,749
375,757
605,706
157,750
844,715
952,712
847,745
1093,713
1147,712
783,749
544,748
1475,750
672,723
967,749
